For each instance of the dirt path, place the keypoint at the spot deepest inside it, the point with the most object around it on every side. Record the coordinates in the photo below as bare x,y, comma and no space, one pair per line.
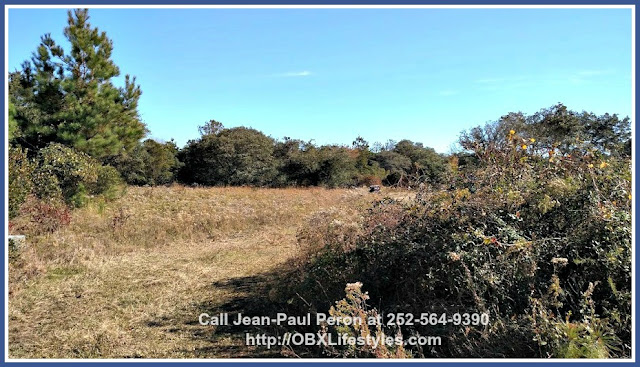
145,303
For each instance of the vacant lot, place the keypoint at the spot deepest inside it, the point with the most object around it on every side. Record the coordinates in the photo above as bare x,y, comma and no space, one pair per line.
128,279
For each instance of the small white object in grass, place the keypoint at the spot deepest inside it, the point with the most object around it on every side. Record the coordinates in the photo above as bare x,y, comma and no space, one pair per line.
16,242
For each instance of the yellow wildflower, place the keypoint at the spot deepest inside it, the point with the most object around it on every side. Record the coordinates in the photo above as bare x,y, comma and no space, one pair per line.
590,165
532,140
603,164
511,132
524,146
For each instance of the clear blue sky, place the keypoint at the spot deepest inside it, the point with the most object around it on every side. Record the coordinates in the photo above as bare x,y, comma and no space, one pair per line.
334,74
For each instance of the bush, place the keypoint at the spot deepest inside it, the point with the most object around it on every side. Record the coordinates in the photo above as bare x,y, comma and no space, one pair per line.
149,163
64,172
80,197
427,166
336,167
58,173
520,235
132,165
397,165
236,156
589,336
162,164
39,216
108,183
20,174
369,331
298,163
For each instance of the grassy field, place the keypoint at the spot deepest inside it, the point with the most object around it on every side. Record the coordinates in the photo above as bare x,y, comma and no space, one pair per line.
128,279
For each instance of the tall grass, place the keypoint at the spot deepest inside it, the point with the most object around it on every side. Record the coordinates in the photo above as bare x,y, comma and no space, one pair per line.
128,278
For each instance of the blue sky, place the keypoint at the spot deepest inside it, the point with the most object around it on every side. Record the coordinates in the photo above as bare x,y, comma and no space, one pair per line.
333,74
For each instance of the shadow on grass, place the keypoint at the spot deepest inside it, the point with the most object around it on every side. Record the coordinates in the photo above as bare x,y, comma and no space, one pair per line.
248,296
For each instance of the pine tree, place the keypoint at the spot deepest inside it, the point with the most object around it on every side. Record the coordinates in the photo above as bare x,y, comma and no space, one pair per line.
70,99
100,119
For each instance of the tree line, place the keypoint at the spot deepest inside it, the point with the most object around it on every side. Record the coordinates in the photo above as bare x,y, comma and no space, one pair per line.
74,134
66,114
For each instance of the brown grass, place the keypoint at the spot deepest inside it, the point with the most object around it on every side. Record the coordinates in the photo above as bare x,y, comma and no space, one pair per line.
129,278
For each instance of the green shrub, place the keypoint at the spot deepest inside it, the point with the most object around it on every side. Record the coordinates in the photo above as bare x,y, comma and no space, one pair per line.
59,173
20,175
69,170
148,163
586,336
108,183
336,167
80,197
516,233
236,156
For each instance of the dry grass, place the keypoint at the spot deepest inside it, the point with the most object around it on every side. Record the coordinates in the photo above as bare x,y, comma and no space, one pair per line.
129,278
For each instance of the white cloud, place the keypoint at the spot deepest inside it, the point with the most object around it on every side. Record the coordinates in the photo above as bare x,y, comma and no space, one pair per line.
293,74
